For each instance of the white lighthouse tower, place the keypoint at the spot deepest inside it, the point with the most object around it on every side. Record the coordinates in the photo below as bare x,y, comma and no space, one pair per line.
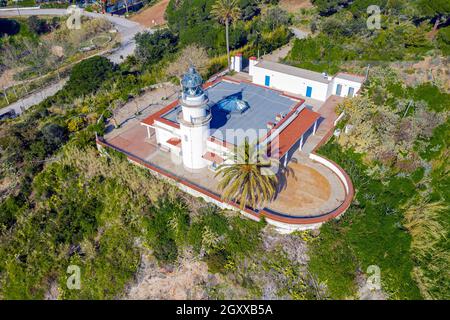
194,120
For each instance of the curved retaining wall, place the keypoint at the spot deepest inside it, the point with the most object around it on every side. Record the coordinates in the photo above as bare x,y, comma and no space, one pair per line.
287,224
283,223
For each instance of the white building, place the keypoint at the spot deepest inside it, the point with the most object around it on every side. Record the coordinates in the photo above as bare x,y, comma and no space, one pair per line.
310,84
209,121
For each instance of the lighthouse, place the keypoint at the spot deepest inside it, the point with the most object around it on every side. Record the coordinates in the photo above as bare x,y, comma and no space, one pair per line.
194,120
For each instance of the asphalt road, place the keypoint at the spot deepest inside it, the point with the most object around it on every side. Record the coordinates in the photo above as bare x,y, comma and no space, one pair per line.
126,28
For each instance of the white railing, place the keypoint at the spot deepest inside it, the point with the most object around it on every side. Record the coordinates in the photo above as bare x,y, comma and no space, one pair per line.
332,167
339,118
19,8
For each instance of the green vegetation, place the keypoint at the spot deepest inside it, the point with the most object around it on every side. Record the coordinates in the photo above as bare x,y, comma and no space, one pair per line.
344,36
249,181
256,28
370,233
63,202
399,219
87,76
89,210
189,19
44,50
394,151
227,12
152,47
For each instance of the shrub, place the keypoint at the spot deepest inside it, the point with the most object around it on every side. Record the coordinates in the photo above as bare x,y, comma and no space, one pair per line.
152,47
37,25
216,261
87,76
9,27
166,229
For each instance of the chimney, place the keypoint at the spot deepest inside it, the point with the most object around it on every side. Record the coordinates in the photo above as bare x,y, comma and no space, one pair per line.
232,60
251,64
238,62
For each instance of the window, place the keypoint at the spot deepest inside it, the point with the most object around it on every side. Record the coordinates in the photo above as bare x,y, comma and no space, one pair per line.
267,81
338,89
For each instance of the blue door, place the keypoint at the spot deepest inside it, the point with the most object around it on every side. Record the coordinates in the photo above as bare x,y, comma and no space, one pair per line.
308,92
267,82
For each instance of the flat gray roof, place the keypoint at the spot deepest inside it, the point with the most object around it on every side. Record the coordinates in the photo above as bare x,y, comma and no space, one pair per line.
264,105
350,77
293,71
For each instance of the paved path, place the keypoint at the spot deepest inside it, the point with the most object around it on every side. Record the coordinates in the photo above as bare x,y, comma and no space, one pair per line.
22,104
328,116
126,28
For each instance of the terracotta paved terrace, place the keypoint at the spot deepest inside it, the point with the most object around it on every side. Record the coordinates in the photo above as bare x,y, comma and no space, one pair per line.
310,189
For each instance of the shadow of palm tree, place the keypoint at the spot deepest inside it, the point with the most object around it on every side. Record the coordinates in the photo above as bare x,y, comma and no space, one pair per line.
284,173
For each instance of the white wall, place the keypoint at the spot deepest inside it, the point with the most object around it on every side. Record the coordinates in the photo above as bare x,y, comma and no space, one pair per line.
345,85
289,83
216,148
193,145
332,167
251,65
164,132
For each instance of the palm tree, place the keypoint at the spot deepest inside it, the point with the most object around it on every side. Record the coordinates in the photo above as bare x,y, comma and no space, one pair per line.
226,11
248,180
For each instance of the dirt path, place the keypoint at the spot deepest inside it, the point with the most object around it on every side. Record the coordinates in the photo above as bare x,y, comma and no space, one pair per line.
152,16
294,5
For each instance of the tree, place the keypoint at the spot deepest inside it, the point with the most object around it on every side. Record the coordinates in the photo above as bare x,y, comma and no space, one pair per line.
37,25
245,180
191,55
436,9
328,7
88,75
226,11
276,17
54,136
152,47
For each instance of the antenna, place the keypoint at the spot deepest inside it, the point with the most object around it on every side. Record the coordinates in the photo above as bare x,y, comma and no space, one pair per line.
367,72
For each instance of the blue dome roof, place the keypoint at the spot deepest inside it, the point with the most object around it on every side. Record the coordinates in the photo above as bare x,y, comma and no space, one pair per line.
191,79
233,105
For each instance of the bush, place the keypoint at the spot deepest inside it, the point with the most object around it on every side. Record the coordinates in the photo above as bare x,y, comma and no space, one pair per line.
166,229
54,135
216,261
152,47
9,27
443,40
37,25
87,76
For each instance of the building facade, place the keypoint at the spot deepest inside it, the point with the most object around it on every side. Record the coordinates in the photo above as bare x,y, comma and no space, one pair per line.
310,84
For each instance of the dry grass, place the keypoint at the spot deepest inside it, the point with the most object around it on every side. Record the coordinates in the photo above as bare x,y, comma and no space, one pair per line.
138,180
152,16
424,222
295,5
